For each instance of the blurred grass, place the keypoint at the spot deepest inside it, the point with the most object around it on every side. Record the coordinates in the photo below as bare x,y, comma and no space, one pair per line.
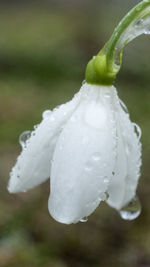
43,54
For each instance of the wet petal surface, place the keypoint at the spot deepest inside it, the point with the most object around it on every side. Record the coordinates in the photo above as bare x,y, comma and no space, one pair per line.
34,163
84,158
122,189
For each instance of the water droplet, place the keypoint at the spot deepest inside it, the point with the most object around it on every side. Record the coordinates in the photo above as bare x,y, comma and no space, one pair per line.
132,210
139,23
84,219
96,157
57,107
46,114
88,168
107,196
35,127
106,180
84,81
103,196
147,31
24,137
117,56
107,95
123,106
137,130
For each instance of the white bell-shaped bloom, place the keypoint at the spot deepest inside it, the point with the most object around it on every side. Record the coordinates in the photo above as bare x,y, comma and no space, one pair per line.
90,150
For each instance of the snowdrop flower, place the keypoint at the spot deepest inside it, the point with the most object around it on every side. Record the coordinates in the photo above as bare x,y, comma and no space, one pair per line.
88,147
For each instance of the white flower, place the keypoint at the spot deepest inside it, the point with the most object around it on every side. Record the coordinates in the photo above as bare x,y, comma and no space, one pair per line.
90,150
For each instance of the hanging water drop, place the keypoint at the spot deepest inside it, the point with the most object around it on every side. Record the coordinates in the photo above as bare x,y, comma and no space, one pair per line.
123,106
106,180
24,137
132,210
147,30
137,130
104,196
84,219
46,113
107,196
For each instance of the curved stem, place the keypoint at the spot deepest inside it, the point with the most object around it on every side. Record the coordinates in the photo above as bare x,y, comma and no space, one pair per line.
103,68
141,11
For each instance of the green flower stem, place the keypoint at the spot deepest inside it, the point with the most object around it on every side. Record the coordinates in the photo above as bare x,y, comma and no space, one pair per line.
103,68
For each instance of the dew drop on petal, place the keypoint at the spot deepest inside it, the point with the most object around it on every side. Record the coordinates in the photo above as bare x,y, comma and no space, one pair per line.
35,127
106,180
96,157
132,210
123,106
46,113
88,168
24,137
107,196
147,31
102,196
107,95
84,219
137,130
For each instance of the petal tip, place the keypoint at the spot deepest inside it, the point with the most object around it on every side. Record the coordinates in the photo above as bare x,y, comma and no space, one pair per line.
59,216
11,189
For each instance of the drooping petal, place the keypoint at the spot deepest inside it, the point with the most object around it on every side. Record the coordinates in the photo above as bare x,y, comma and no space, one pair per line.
122,188
133,152
34,163
116,188
84,157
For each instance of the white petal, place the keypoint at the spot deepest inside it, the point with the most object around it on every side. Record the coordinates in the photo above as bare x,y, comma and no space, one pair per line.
122,188
34,163
84,157
116,189
133,152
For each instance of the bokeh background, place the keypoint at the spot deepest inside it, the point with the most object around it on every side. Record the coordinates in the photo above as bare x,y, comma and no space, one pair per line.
44,49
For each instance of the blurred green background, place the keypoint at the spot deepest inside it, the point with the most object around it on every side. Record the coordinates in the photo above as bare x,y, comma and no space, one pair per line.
44,49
